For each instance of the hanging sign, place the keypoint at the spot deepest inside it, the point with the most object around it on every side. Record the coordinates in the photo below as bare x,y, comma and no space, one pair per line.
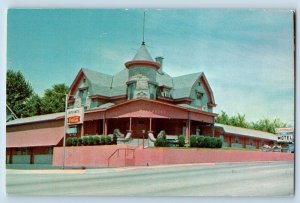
75,116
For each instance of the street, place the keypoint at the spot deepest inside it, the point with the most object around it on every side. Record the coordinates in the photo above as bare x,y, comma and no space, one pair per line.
226,179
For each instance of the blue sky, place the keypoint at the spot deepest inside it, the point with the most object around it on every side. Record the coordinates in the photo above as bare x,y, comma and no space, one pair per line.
246,55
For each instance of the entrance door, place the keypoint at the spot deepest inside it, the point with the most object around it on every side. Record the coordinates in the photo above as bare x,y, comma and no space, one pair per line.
140,128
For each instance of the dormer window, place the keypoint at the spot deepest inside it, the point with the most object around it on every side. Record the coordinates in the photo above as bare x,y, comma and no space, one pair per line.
83,94
199,95
84,80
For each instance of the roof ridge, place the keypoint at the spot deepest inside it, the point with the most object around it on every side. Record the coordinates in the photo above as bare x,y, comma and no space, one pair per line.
245,128
188,74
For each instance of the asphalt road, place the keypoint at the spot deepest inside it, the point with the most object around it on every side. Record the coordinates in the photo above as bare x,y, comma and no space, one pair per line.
236,179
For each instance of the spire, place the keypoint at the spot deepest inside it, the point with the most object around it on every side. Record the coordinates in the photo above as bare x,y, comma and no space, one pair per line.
142,54
143,42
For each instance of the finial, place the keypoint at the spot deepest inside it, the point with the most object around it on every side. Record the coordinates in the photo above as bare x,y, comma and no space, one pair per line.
143,42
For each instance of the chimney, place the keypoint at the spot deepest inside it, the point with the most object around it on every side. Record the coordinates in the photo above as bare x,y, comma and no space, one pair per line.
159,60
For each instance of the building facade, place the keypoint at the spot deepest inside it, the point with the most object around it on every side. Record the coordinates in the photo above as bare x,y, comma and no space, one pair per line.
141,99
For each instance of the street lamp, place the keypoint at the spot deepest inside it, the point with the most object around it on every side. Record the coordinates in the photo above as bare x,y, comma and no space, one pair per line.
65,127
65,132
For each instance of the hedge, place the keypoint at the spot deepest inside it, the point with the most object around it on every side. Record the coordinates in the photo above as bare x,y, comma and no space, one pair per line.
205,142
89,140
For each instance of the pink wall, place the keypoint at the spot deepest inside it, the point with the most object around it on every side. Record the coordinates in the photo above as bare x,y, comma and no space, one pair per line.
91,156
96,156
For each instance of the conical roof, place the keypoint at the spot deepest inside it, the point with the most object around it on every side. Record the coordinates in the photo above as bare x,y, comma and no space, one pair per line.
142,54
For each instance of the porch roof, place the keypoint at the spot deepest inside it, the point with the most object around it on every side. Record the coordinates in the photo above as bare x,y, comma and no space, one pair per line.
35,137
247,132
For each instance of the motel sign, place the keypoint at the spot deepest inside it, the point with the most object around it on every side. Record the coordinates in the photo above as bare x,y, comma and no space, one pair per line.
75,116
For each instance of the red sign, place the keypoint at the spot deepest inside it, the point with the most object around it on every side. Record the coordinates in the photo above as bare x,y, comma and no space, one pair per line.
74,119
75,116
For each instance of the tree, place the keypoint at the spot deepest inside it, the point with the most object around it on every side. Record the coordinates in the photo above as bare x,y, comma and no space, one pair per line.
17,91
223,118
240,121
268,125
53,100
30,106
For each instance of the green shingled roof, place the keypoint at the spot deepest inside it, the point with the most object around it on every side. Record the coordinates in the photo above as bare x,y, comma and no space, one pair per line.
142,54
107,85
183,85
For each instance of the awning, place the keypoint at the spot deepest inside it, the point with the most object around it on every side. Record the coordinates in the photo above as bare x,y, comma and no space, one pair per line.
35,137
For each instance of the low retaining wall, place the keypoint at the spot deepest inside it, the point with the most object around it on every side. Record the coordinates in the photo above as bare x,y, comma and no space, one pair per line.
90,156
97,156
185,156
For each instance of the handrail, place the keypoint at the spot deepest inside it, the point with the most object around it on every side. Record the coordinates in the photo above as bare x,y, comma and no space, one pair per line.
118,150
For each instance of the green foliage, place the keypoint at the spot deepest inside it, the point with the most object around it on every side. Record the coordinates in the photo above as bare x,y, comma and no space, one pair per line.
53,100
18,93
85,141
96,140
206,142
240,121
200,141
74,141
79,140
212,142
69,141
181,140
108,140
160,142
102,140
193,141
90,140
219,143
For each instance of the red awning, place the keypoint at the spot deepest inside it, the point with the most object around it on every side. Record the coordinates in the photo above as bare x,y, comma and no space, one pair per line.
35,137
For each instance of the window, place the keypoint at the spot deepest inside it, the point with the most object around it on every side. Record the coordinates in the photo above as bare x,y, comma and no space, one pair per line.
83,95
199,95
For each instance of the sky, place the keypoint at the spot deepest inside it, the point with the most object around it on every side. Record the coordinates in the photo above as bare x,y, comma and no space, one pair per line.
246,55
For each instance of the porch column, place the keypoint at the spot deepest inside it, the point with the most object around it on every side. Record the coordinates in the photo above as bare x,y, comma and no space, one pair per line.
31,155
82,129
213,130
130,121
105,127
10,155
150,125
104,124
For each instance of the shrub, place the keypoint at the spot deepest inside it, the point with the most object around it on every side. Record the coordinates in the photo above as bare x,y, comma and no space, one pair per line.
181,140
102,140
219,143
206,142
85,140
193,141
69,141
200,141
91,140
108,140
96,140
74,141
79,141
160,142
213,142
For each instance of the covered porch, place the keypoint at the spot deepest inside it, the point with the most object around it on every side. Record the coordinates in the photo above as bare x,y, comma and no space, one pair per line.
141,116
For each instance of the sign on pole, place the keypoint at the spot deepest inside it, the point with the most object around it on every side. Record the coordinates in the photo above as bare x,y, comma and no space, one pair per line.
284,130
75,116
